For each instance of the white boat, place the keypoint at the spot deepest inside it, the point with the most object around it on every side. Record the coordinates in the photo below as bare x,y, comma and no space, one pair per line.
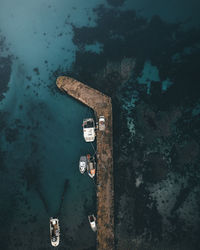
89,129
54,231
91,167
83,164
102,126
92,221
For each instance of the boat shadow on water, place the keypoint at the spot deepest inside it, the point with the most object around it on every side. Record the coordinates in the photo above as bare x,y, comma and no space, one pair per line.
66,185
32,175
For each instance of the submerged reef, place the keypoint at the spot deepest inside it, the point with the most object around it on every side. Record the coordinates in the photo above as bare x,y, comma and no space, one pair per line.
156,123
5,66
116,3
5,72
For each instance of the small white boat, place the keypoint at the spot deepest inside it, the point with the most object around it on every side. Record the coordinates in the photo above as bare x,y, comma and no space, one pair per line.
92,221
91,167
102,125
83,164
54,232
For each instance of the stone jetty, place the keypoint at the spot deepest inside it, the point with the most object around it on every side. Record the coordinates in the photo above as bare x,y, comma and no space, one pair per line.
102,106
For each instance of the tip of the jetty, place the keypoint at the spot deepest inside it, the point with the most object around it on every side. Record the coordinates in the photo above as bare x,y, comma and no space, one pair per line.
66,83
59,81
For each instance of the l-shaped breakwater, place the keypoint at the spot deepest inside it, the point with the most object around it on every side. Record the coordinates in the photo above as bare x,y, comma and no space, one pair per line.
102,106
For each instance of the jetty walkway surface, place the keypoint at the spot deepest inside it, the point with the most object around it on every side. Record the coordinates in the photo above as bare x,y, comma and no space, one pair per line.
102,106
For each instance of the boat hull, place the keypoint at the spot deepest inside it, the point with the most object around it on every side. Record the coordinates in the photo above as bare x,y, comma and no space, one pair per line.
54,232
92,221
91,168
83,164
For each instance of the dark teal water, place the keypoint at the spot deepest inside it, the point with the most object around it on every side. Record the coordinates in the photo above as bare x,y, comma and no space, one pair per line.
40,127
42,140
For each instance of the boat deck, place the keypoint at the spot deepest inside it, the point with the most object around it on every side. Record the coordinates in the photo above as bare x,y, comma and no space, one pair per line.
102,106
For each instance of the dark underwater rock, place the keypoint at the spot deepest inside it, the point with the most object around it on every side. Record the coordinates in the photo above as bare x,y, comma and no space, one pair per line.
11,134
116,3
5,72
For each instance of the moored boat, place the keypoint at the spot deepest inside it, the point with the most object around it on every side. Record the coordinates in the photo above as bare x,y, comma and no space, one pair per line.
83,164
91,167
92,221
54,232
102,126
89,129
